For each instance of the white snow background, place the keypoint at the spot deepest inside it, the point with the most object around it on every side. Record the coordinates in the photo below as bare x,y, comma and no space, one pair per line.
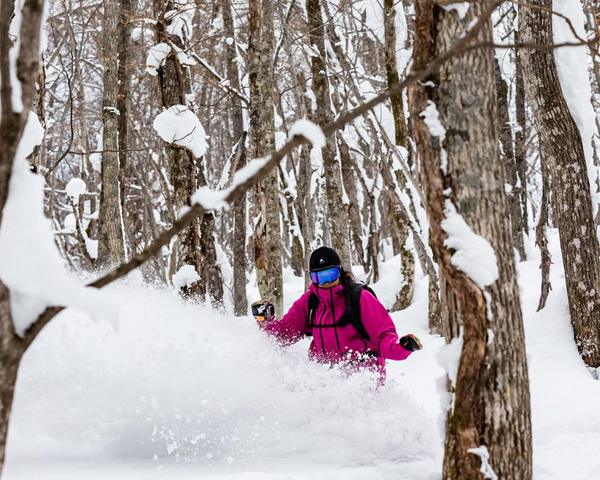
179,391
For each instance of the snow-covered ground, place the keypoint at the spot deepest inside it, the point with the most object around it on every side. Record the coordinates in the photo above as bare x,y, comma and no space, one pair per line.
178,391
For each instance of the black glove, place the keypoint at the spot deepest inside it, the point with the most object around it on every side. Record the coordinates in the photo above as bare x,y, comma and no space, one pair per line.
263,310
410,342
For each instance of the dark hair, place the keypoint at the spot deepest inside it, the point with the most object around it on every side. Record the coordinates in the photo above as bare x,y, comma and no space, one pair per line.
347,280
352,300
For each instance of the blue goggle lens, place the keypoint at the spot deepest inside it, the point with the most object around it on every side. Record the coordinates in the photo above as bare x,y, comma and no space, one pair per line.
325,276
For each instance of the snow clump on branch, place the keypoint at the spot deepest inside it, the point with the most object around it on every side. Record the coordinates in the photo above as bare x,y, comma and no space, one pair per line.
180,126
157,56
180,19
310,131
75,188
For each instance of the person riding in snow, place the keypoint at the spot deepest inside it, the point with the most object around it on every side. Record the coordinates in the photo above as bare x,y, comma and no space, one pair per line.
347,322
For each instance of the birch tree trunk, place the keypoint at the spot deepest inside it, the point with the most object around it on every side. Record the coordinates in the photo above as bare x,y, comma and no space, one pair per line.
111,248
337,210
562,148
240,300
491,407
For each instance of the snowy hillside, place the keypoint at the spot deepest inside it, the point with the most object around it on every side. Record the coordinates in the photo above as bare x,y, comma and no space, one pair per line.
178,391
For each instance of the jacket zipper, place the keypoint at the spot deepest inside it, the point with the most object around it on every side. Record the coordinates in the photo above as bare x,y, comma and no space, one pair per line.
321,323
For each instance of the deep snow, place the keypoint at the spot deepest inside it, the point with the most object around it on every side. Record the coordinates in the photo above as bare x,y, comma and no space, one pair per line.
178,391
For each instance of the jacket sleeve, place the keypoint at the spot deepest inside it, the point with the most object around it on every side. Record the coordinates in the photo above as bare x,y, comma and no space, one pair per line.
292,326
381,329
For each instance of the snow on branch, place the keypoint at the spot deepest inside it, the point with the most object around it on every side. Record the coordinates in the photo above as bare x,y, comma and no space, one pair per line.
180,126
218,199
310,131
157,56
31,265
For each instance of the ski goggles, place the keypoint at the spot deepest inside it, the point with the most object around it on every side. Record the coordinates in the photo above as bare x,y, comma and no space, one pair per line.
327,275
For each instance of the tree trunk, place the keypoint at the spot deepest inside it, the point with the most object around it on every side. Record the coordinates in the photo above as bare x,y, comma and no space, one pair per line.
508,158
240,300
391,70
520,138
540,235
186,174
11,353
337,210
267,238
491,407
562,148
353,210
124,74
111,249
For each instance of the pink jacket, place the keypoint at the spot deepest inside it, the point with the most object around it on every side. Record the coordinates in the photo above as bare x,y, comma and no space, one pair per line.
335,344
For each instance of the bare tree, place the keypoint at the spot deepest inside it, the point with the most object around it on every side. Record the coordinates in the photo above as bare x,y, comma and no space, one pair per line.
111,248
337,210
509,160
195,245
488,426
240,301
562,148
267,239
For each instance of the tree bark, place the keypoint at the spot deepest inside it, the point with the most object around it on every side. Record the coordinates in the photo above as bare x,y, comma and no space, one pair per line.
391,70
111,249
491,406
562,148
353,210
540,235
124,75
520,138
337,210
240,300
267,238
509,160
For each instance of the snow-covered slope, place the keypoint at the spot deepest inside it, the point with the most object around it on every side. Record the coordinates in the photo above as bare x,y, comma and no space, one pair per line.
179,391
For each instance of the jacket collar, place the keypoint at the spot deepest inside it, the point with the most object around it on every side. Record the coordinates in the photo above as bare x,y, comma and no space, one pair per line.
325,293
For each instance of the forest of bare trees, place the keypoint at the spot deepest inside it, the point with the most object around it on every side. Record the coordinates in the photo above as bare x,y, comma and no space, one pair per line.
448,127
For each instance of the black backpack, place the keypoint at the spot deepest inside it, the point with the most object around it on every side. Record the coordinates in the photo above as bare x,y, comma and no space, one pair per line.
352,315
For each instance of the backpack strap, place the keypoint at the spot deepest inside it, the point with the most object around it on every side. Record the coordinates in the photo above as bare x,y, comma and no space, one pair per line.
313,304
